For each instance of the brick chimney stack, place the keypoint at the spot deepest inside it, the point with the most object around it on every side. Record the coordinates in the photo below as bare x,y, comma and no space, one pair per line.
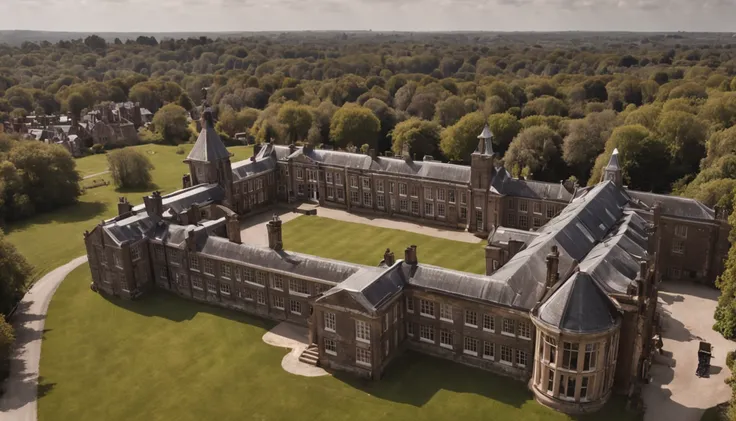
388,258
233,229
154,204
275,240
124,207
410,255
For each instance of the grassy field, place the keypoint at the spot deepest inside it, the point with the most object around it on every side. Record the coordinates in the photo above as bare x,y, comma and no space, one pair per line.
365,244
52,239
165,358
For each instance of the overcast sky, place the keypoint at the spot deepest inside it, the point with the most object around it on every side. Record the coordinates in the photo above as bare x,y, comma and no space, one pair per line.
407,15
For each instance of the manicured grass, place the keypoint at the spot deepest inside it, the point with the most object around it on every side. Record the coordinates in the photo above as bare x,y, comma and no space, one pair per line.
52,239
166,358
365,244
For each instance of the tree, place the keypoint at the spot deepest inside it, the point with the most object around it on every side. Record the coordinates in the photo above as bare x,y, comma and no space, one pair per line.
460,140
130,169
421,136
170,122
685,136
6,342
232,122
386,116
296,120
504,127
356,125
185,102
546,106
449,111
14,275
585,140
725,314
538,149
75,103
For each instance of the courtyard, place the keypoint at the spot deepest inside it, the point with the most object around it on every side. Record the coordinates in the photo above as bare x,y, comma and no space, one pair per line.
163,357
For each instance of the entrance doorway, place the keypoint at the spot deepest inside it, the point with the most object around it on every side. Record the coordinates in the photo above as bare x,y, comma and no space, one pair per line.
312,192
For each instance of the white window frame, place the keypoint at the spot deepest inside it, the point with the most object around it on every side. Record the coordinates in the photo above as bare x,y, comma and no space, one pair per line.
524,330
505,330
428,195
426,334
441,210
486,346
365,182
681,231
225,289
492,323
471,318
402,189
501,359
209,264
328,177
227,270
362,331
380,201
295,307
299,173
446,340
363,357
446,312
197,284
298,287
135,252
379,186
410,305
518,357
330,347
426,308
277,282
470,346
278,302
330,321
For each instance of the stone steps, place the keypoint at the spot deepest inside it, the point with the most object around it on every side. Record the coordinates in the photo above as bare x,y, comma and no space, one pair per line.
310,356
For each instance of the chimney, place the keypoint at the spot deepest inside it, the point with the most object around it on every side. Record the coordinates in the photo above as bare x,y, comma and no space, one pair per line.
154,204
553,262
193,214
292,148
186,181
275,240
307,148
233,228
410,255
388,258
372,153
191,240
124,207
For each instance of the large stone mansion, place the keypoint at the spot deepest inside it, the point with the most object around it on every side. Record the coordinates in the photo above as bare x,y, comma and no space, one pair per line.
567,304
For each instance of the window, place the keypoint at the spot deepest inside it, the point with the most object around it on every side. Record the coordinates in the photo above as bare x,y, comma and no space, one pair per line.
471,318
426,308
124,285
441,210
259,184
678,246
537,208
508,327
511,204
250,183
570,355
415,207
328,177
584,387
510,220
353,181
441,195
248,275
135,252
367,199
536,222
391,187
550,211
451,196
409,305
506,354
261,197
404,205
247,295
495,265
116,259
463,213
261,278
396,312
570,392
446,312
299,174
523,206
410,329
225,289
298,287
363,357
479,219
330,192
463,198
238,276
227,271
428,193
471,346
163,274
366,182
340,195
295,306
260,298
209,267
330,347
362,331
159,252
402,189
338,179
551,344
277,283
386,321
523,222
380,201
591,355
520,358
489,324
414,190
278,302
354,197
550,381
489,350
681,231
379,186
197,284
211,287
525,330
446,339
428,209
426,333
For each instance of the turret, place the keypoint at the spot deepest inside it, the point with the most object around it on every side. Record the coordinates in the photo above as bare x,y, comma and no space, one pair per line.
612,171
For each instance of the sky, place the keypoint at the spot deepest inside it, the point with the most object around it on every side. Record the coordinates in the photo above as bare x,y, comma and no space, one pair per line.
377,15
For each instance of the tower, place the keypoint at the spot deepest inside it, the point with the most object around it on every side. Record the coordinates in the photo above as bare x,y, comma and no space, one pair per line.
612,171
209,160
481,175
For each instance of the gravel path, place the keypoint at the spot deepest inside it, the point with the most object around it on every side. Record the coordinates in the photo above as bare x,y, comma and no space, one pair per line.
21,388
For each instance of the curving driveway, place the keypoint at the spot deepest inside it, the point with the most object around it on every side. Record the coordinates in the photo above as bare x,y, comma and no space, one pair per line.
21,388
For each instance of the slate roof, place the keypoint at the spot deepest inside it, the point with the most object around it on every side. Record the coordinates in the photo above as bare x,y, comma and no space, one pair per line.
504,184
580,226
579,305
250,168
183,199
468,285
132,228
371,287
209,146
681,207
502,235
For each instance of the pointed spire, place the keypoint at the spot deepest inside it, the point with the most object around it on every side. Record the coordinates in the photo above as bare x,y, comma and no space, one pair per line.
485,142
209,146
613,162
612,171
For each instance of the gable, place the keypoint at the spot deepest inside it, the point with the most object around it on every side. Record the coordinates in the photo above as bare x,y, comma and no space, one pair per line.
342,300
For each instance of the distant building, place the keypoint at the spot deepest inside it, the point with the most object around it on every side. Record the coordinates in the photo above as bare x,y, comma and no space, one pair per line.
569,307
108,127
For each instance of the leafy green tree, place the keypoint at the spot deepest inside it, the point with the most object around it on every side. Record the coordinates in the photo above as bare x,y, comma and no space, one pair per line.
585,140
296,120
7,338
725,314
386,116
356,125
458,141
130,169
170,122
449,111
504,127
685,137
545,106
720,144
185,102
421,136
538,149
14,275
75,103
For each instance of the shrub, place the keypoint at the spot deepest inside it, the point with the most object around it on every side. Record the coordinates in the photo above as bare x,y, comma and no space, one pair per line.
98,148
6,342
179,150
130,168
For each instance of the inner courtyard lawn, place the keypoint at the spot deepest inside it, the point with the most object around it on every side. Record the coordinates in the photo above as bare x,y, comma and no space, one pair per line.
166,358
52,239
365,244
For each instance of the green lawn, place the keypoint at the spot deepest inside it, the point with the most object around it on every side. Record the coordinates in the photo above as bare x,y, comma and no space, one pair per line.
365,244
52,239
166,358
